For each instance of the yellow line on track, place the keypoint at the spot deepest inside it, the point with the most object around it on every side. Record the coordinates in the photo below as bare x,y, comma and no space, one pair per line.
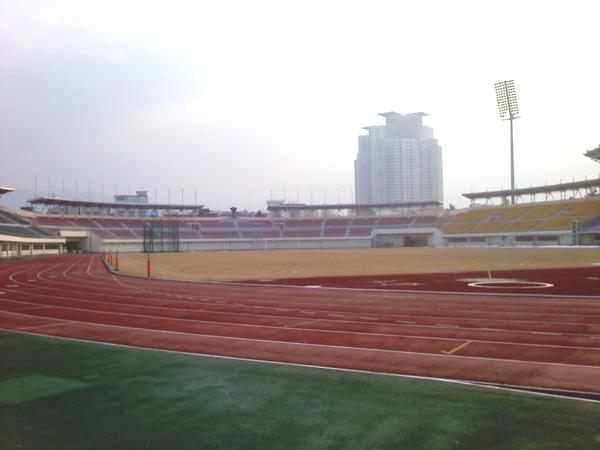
457,348
292,325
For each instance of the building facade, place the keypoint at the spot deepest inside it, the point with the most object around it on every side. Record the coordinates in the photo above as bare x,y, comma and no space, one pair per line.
398,162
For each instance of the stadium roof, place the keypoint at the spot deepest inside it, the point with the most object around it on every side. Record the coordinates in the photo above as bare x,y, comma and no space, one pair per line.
84,203
547,189
593,154
5,190
304,207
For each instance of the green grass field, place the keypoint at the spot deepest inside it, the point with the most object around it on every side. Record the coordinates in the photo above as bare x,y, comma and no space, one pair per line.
59,394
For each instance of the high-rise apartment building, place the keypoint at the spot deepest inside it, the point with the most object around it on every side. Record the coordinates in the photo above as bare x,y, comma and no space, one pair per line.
398,162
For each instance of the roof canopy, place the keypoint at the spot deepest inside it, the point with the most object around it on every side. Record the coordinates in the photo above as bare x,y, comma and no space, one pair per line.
83,203
5,190
546,189
350,206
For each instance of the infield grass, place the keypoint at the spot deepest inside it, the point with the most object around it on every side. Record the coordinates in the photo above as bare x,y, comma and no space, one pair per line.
275,264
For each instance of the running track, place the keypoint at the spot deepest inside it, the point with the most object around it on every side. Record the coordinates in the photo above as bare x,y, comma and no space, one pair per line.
548,344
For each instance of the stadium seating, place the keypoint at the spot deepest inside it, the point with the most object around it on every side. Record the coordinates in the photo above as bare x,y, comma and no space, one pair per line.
560,223
593,225
521,225
489,227
522,218
582,208
456,228
337,221
9,218
335,232
542,211
22,231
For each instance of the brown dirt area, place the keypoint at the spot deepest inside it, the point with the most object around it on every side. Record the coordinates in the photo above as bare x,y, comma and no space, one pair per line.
260,265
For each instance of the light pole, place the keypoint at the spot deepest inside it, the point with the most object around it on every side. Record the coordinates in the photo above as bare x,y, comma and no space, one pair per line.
509,110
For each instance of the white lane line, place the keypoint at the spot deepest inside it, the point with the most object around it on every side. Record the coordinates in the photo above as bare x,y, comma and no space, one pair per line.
162,300
377,350
270,316
521,389
64,322
395,314
36,306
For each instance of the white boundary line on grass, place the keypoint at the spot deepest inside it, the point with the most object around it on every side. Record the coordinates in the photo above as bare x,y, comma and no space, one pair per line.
526,390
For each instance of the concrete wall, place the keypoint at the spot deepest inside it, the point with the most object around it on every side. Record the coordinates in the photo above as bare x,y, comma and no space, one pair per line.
513,240
136,245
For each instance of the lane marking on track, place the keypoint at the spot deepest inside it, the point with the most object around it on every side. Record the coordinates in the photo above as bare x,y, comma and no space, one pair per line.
35,306
48,325
292,325
457,348
307,312
523,389
300,344
503,284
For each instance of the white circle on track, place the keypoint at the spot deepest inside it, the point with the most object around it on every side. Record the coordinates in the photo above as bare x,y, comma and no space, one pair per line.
511,284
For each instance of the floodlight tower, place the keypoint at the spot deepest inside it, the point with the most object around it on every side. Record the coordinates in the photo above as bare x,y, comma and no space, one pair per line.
509,110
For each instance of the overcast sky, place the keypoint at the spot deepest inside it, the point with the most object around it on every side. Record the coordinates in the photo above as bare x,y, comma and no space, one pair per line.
241,99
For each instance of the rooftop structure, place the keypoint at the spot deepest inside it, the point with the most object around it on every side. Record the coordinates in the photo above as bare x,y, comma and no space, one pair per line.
593,154
575,189
65,206
352,209
5,190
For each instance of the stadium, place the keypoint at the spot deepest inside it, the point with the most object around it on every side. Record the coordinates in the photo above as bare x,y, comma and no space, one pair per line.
497,302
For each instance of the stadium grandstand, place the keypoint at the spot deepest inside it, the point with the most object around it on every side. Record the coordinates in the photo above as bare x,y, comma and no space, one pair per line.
19,238
98,226
568,215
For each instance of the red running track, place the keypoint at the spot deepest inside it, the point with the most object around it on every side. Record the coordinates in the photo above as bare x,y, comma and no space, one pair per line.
550,344
581,281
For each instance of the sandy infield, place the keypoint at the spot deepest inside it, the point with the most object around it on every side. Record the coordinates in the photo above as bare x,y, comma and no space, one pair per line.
260,265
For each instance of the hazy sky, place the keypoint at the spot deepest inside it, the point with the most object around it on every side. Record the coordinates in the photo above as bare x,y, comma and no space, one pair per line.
238,99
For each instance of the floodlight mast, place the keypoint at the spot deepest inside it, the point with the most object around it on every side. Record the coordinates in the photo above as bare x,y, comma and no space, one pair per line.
509,110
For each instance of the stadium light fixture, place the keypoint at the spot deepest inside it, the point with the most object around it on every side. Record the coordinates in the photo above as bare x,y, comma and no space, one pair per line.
509,110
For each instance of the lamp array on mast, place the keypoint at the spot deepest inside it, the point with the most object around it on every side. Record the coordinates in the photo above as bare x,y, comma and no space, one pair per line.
508,110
